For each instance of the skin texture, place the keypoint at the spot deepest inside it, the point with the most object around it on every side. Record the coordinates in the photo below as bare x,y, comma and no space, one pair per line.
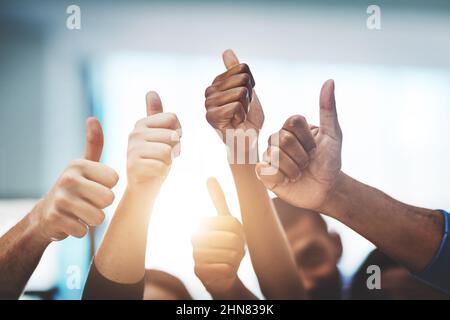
73,204
152,144
218,249
231,103
310,177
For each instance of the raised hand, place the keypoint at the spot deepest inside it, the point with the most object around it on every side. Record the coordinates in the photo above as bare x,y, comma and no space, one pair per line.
302,162
76,200
231,103
152,145
218,246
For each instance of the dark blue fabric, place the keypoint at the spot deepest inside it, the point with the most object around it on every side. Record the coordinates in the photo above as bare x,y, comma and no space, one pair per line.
438,271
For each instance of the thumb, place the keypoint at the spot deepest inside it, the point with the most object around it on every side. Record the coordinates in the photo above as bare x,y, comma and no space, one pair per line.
328,115
256,113
94,140
154,104
229,59
217,196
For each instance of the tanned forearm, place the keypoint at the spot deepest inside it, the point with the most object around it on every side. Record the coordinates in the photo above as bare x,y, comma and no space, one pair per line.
119,266
389,224
269,250
121,256
21,249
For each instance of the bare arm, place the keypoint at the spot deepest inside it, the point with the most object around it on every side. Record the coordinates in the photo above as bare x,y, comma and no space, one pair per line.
15,268
73,204
310,157
269,249
118,268
234,110
409,234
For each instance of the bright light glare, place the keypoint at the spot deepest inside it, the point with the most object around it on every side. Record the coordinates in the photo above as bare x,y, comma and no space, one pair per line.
392,121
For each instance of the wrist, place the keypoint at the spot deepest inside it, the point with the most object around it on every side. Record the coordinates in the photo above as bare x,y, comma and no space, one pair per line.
34,228
335,202
242,149
142,187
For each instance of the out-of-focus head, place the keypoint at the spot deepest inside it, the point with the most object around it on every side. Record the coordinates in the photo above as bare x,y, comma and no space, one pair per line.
316,250
160,285
396,282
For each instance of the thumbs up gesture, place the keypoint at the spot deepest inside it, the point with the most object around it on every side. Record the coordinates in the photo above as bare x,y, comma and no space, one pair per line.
152,145
302,162
218,246
232,104
76,200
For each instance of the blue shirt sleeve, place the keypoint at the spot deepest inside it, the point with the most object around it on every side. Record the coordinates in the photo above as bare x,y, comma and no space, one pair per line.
437,273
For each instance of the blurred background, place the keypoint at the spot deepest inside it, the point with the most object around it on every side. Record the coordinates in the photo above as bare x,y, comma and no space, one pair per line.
392,91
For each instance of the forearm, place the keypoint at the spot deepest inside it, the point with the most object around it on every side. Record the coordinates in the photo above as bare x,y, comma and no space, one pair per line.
238,292
121,256
269,250
21,249
391,225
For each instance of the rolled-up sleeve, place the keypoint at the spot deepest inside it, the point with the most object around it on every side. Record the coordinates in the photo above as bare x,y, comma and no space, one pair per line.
437,272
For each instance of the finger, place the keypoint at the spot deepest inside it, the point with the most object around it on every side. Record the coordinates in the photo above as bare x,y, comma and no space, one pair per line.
229,59
218,99
328,115
288,142
270,175
154,104
164,120
255,111
95,193
162,135
217,196
222,223
84,211
94,140
286,164
217,239
210,256
240,68
221,117
72,226
99,172
314,130
157,151
301,129
235,81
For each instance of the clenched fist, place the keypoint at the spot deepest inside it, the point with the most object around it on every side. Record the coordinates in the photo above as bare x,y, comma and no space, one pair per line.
232,106
219,246
152,145
78,197
302,162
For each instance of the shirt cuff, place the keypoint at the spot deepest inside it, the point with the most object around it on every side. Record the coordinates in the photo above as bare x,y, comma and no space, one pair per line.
437,273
